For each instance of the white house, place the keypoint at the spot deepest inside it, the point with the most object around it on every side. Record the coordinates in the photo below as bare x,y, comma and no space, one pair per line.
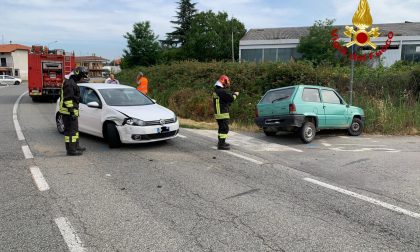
14,60
279,44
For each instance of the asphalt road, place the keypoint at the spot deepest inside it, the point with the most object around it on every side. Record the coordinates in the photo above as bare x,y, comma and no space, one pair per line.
268,194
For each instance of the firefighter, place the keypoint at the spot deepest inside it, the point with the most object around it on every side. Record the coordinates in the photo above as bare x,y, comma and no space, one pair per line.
142,83
222,101
69,108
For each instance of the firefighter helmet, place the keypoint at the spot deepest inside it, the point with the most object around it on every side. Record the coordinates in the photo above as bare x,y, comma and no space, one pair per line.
81,72
224,80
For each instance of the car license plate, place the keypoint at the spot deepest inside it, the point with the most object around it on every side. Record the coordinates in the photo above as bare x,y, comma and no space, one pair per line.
162,130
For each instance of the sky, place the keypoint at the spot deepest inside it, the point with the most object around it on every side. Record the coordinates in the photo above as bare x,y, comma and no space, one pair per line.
97,26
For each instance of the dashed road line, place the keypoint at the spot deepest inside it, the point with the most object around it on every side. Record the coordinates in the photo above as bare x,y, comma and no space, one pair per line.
15,120
69,235
365,198
39,179
241,156
27,152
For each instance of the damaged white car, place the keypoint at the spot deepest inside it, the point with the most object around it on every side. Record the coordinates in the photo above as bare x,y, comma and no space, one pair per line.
121,114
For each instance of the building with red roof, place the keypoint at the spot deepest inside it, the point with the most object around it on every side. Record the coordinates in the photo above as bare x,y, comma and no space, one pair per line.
14,60
93,63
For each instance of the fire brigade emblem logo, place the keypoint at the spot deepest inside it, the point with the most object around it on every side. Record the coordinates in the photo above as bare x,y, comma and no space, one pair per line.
362,19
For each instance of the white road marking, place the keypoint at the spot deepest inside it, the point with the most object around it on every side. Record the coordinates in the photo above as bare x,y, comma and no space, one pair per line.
365,145
326,144
345,137
39,179
366,149
248,142
15,120
241,156
69,234
27,152
365,198
182,136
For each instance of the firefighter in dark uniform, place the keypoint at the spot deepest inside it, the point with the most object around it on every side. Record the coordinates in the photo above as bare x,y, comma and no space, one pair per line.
69,108
222,101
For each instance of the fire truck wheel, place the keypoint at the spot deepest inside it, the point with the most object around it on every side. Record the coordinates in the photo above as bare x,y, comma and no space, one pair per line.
59,122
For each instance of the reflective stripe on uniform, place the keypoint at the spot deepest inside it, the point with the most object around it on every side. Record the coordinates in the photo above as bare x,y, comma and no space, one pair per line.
223,136
219,115
66,139
68,104
222,116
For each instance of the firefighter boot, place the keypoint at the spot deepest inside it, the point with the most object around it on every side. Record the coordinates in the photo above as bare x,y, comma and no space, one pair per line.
222,145
82,149
72,151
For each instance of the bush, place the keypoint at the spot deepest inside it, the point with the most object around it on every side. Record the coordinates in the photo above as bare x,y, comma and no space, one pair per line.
389,96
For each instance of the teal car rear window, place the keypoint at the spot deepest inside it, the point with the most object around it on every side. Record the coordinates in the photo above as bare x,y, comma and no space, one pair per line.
277,95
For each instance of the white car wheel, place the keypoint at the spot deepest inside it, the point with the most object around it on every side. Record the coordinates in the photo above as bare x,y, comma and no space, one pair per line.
60,123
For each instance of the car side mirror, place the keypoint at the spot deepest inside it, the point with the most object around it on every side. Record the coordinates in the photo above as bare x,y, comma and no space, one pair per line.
93,104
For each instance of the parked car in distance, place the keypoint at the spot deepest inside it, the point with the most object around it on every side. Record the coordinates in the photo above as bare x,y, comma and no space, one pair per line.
306,109
9,80
121,114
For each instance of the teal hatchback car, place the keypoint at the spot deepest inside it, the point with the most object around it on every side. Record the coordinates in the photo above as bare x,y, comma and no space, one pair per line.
306,109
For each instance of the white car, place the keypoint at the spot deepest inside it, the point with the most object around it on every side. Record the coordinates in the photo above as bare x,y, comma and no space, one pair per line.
121,114
9,80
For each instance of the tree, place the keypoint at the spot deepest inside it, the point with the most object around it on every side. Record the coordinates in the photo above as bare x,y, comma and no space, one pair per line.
142,46
185,14
318,46
210,37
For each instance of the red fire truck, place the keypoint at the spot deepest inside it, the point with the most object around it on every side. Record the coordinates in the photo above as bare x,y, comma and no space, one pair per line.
47,69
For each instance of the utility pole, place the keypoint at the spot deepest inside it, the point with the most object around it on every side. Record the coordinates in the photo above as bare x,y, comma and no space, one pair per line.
233,49
233,44
352,76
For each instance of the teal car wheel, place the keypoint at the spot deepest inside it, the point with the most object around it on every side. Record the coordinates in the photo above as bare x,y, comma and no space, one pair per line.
307,132
356,127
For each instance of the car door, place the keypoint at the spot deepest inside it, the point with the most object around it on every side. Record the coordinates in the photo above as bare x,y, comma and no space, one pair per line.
335,109
311,102
8,80
90,119
82,127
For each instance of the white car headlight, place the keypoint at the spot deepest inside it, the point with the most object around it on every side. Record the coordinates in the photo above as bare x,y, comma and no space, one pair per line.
175,118
135,122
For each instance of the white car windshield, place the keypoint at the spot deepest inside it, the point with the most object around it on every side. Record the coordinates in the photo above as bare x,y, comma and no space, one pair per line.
124,97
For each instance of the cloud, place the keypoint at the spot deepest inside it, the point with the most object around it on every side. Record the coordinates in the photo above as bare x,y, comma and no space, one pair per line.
384,11
97,26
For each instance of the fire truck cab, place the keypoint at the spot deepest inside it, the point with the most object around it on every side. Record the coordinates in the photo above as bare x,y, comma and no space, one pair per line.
46,71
